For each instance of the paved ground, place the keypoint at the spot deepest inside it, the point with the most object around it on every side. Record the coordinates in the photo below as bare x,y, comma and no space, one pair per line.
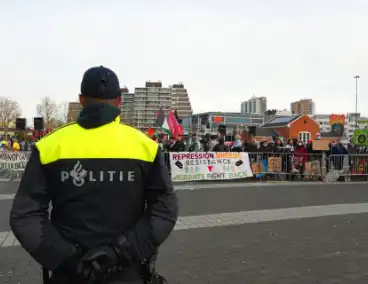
314,233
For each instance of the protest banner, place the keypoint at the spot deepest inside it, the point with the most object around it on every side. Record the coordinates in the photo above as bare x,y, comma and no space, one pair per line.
274,164
190,166
13,160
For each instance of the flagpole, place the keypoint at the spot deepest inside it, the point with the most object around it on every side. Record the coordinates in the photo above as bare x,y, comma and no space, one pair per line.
198,124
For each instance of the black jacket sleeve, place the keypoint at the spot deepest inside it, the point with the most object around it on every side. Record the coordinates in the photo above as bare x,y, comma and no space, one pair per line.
161,213
29,218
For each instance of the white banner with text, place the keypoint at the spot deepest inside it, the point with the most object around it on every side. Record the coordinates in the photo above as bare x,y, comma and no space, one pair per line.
191,166
13,161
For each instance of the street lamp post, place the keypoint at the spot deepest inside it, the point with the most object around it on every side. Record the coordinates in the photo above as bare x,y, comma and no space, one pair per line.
356,101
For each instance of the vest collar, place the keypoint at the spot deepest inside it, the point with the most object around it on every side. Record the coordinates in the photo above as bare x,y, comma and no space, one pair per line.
97,115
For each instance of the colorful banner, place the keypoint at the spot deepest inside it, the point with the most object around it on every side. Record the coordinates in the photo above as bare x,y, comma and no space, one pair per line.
190,166
337,119
13,160
337,122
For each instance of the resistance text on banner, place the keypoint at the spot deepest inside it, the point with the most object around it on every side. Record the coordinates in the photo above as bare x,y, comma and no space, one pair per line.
189,166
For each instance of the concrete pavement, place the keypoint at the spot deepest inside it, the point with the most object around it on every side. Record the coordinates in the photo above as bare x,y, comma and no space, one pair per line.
312,233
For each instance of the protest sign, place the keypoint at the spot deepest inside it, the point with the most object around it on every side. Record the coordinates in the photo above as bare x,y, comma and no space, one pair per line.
190,166
313,168
320,145
274,164
13,160
257,168
361,137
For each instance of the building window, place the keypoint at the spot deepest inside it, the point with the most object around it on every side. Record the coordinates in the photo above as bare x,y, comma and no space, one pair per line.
304,136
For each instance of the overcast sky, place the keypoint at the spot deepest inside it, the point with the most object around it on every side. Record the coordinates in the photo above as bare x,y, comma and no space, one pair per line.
223,51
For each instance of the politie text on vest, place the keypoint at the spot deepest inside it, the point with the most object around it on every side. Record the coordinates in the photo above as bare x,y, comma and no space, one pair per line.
79,175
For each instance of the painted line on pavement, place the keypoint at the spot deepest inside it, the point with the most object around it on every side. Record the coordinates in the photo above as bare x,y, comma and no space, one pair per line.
258,184
199,185
245,185
7,239
6,196
192,187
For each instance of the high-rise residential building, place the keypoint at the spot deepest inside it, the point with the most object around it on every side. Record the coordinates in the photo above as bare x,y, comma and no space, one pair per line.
127,106
73,111
180,100
147,101
303,106
255,105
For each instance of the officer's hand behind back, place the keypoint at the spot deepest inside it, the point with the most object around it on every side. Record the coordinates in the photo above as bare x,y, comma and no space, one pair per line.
97,263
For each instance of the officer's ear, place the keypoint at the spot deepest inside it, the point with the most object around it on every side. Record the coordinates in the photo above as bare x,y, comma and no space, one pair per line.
82,100
119,101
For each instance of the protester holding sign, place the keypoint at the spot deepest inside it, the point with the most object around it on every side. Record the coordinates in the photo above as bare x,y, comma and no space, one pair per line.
300,157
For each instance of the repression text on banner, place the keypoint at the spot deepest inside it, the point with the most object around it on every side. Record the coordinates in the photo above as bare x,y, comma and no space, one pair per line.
191,166
13,160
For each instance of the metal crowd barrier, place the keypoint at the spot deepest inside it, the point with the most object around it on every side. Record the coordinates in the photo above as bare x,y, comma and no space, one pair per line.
288,166
350,166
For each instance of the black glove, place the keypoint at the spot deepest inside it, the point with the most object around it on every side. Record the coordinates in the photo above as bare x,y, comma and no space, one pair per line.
97,263
68,268
125,251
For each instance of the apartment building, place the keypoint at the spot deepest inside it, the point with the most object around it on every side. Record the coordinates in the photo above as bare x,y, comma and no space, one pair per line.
74,109
127,106
180,100
140,109
303,106
255,105
147,101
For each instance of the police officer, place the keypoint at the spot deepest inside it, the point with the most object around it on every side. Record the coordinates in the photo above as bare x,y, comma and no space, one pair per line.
113,202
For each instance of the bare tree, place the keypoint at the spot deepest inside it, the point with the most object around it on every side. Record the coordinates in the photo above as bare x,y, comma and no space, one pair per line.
9,111
63,112
48,109
56,123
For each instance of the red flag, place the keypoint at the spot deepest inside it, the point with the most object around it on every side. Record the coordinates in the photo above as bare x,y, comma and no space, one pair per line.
181,130
150,132
174,126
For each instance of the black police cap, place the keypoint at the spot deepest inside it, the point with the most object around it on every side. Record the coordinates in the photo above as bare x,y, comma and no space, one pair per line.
100,82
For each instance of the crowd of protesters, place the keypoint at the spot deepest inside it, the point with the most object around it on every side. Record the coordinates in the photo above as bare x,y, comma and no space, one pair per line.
14,144
294,153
